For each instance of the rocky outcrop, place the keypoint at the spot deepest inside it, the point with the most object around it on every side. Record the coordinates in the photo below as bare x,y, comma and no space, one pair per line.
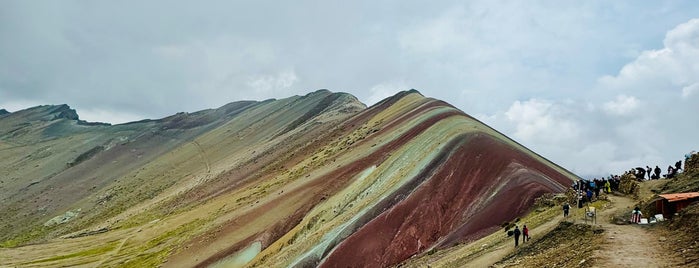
628,184
64,112
3,112
692,164
63,218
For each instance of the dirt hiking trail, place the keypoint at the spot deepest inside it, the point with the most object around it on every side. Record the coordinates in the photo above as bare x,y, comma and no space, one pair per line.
490,258
629,245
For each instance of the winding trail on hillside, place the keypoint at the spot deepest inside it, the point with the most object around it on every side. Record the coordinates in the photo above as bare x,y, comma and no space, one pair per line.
115,251
204,158
629,245
490,258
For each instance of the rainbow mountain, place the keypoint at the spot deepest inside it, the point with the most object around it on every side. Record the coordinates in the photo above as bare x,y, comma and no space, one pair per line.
318,180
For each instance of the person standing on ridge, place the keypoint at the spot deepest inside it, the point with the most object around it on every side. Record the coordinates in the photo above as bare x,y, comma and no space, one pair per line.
670,172
517,233
648,170
566,208
657,172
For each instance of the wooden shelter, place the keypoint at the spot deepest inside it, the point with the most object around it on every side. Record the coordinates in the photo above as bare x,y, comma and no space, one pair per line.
669,204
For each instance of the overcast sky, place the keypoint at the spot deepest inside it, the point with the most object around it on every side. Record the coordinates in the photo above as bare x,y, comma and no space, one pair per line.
596,86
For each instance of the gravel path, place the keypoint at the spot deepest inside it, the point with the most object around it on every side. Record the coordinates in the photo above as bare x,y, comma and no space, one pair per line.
630,245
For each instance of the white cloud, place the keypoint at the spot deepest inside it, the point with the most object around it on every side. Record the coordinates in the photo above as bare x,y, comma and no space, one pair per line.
264,84
16,105
107,116
640,116
551,66
385,90
668,70
541,121
689,91
587,140
448,30
623,105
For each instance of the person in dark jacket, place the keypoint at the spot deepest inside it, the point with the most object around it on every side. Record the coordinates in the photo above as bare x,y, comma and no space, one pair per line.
517,233
657,172
566,208
670,172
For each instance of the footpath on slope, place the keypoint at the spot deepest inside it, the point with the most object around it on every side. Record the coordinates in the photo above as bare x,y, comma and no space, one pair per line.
577,243
630,245
505,248
569,242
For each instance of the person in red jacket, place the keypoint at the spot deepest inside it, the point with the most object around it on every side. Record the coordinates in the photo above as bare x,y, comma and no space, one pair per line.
525,234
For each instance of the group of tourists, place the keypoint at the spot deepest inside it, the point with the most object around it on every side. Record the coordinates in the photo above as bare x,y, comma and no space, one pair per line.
589,190
649,173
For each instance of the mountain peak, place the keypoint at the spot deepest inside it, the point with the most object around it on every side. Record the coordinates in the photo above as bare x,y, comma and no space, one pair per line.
45,113
412,90
3,112
64,111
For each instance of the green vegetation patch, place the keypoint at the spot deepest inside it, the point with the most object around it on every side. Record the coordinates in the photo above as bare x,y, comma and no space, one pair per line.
35,232
90,252
155,252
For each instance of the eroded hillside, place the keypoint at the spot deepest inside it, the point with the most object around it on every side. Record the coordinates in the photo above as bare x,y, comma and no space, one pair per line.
315,180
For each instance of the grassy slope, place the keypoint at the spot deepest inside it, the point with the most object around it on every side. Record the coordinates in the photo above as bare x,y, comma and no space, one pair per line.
144,194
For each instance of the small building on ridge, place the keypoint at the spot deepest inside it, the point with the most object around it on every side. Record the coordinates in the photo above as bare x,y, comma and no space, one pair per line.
669,204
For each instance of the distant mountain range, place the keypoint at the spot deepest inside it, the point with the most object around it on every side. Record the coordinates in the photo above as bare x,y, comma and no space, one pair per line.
314,180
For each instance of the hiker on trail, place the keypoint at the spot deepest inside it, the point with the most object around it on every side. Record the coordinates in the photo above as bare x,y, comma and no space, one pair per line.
608,186
648,170
678,165
517,233
589,195
566,208
657,172
525,233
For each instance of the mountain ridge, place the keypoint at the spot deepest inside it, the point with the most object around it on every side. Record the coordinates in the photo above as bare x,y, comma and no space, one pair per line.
266,173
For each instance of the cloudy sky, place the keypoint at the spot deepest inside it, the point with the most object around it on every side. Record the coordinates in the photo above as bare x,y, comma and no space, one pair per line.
596,86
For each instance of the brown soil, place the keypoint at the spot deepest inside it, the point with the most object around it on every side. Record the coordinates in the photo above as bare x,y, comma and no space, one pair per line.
630,245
